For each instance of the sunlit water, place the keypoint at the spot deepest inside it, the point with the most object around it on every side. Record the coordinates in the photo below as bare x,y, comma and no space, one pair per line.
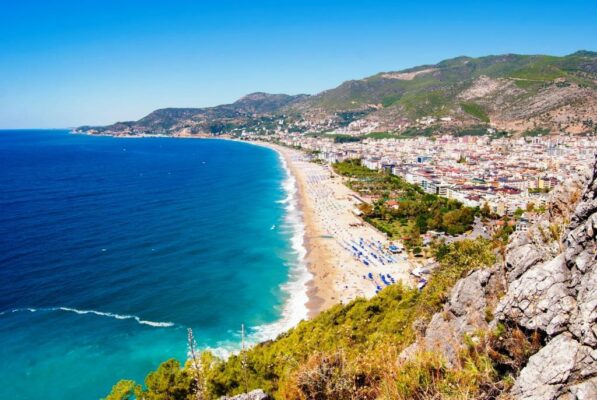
110,248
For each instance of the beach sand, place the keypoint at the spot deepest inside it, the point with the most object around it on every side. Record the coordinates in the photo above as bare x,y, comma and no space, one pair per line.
333,231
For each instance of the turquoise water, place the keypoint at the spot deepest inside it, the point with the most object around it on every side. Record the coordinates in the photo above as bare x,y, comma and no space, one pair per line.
110,248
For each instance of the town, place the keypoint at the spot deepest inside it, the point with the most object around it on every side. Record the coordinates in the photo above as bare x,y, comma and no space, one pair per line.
505,173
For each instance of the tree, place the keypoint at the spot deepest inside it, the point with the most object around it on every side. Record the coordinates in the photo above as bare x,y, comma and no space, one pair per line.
458,221
421,222
485,210
169,382
124,390
434,222
415,236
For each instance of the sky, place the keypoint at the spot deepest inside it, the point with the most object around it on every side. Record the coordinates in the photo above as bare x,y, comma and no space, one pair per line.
71,63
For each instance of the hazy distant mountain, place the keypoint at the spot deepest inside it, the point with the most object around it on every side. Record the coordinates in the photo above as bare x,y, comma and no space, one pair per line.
512,92
245,111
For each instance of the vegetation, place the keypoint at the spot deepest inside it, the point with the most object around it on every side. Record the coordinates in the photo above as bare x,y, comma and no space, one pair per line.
436,92
346,139
347,352
478,130
403,210
382,135
419,104
416,132
540,70
536,132
475,110
539,190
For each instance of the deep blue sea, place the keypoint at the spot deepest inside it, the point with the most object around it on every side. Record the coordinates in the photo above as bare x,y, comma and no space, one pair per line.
110,248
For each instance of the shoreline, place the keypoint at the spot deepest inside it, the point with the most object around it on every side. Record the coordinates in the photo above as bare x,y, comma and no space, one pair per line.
331,232
326,204
319,297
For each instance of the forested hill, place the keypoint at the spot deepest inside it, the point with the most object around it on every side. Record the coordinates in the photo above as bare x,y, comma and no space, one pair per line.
509,92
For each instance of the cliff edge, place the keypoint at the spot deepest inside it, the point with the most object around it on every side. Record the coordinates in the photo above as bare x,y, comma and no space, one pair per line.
545,288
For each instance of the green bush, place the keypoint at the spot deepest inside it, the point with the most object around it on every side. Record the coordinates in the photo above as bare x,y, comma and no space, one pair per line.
475,110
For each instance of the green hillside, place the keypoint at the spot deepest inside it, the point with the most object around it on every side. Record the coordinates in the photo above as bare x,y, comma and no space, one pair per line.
352,351
431,92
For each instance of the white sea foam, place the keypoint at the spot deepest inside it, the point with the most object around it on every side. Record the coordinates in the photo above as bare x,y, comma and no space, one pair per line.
98,313
294,308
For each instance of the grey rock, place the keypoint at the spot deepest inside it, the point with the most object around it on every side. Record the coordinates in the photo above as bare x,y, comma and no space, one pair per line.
464,314
583,321
540,298
549,373
581,259
559,297
521,255
548,370
583,391
257,394
469,293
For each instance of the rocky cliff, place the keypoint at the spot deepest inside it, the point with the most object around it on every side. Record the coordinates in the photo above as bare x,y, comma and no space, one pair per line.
547,287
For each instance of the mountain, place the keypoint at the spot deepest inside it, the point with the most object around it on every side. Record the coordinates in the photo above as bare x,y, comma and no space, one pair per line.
514,92
250,110
510,92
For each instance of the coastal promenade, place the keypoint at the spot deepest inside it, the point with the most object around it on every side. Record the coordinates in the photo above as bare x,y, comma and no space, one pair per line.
347,257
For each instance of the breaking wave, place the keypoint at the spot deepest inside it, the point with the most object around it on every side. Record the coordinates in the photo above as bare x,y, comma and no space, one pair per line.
94,312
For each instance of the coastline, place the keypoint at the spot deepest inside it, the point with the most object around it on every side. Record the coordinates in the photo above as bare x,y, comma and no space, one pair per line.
320,296
325,206
327,210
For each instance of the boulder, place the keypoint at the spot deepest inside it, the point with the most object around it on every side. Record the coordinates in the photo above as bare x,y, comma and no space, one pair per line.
464,314
540,298
257,394
548,370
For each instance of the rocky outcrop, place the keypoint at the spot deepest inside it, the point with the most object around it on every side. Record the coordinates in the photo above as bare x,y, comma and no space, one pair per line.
542,242
541,298
557,296
257,394
466,312
550,370
548,285
581,255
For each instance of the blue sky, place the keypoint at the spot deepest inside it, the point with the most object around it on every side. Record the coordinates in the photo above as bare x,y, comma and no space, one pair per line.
65,63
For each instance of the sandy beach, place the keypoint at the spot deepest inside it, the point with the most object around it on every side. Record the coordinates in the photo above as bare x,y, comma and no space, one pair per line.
347,257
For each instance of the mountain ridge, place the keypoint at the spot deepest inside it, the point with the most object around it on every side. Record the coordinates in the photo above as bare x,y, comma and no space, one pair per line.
510,92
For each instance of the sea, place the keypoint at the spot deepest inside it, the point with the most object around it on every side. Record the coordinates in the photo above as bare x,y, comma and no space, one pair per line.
111,248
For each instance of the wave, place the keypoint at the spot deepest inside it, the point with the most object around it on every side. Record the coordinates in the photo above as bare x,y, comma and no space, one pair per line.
294,308
94,312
